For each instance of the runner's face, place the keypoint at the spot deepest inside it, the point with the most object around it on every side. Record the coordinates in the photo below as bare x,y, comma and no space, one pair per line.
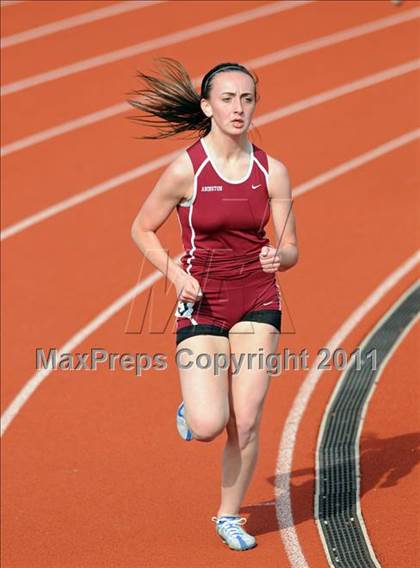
232,101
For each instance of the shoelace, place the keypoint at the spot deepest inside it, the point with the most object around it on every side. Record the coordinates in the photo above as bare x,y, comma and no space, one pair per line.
232,526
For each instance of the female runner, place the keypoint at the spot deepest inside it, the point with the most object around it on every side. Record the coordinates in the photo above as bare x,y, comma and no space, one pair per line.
223,188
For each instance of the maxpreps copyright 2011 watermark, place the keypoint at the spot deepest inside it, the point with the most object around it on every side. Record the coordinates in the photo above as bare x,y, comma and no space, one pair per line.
139,363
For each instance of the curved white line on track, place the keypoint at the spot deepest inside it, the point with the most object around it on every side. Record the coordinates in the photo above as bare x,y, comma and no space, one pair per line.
336,92
5,3
261,120
33,383
288,439
74,341
358,161
89,194
255,63
63,128
79,20
145,46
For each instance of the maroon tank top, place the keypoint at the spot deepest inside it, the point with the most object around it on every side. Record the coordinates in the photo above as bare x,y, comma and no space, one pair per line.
223,223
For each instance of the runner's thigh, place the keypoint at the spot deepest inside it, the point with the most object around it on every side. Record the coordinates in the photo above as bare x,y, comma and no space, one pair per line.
250,382
204,384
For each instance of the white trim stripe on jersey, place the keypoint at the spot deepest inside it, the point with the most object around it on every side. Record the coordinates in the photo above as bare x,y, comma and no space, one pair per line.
264,171
213,165
262,168
190,305
193,247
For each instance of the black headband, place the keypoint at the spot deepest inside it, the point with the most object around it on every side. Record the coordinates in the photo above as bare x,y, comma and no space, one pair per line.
227,67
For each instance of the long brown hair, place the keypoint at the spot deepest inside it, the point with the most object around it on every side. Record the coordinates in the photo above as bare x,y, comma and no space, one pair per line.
171,103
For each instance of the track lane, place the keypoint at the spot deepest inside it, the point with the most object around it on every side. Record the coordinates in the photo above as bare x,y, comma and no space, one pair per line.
126,52
26,15
110,149
127,29
65,402
389,482
59,266
257,515
74,21
90,91
302,490
255,63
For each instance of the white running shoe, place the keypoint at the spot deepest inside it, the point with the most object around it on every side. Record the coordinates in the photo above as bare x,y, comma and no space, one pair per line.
182,425
230,530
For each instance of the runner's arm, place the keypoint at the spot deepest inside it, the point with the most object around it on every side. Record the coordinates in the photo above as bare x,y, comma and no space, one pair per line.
175,183
281,201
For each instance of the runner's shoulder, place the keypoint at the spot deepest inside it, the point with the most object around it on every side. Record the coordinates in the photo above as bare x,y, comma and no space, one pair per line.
178,177
279,179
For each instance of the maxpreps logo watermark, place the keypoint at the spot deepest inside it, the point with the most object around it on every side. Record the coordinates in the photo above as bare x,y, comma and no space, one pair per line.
90,361
219,363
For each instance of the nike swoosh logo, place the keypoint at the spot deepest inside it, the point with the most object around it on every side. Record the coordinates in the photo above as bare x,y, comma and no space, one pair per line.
266,304
256,186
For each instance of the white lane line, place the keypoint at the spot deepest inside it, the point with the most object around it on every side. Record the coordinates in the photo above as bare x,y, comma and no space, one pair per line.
145,46
336,37
89,194
29,388
74,341
331,94
5,3
257,62
156,164
63,128
358,161
79,20
288,439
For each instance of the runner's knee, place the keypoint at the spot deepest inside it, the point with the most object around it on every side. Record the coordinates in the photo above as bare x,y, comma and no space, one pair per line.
207,429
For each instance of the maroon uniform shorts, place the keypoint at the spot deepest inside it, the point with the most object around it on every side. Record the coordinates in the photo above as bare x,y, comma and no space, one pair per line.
255,297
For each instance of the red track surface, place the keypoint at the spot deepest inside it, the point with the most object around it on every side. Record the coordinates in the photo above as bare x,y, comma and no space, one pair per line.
94,472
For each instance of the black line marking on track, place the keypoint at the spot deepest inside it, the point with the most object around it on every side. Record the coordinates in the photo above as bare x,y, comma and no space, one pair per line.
337,505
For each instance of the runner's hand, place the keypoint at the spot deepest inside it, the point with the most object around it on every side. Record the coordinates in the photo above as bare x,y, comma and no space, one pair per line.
187,288
270,259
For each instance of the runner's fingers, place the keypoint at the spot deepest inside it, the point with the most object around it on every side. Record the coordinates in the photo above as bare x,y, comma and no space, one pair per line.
270,261
196,290
191,292
271,266
187,297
